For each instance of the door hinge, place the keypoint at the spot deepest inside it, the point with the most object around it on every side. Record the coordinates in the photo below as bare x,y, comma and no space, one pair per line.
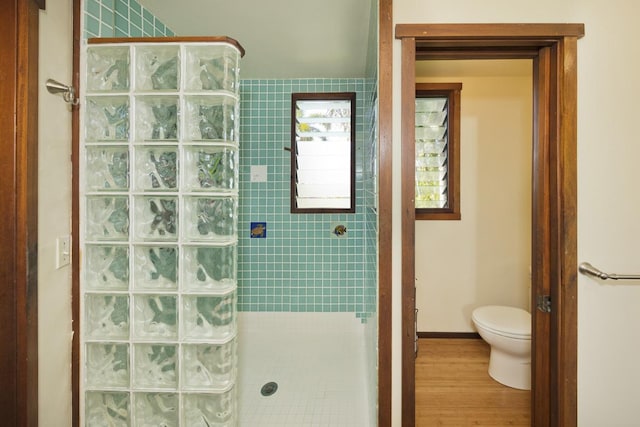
543,302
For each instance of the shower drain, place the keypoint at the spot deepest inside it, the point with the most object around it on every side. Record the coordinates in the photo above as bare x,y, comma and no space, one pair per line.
269,388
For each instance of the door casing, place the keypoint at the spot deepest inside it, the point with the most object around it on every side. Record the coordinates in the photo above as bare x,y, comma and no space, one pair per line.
553,48
19,31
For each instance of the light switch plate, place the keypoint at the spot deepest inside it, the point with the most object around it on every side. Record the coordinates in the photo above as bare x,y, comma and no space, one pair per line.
63,251
258,173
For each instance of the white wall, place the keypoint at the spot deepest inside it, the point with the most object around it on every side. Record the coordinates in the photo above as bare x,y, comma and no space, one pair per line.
484,258
608,198
54,218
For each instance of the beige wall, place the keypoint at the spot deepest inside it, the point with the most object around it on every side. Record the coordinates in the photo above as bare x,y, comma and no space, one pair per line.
608,198
484,258
54,218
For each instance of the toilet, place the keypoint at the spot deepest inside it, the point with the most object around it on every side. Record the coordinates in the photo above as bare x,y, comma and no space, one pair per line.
508,331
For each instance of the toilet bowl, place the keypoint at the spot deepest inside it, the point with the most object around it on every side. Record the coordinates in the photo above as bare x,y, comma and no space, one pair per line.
508,331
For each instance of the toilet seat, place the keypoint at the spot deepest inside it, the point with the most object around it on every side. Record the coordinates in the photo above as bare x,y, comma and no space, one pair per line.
509,322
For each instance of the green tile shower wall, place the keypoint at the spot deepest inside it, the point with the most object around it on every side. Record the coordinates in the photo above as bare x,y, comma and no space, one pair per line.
299,266
121,18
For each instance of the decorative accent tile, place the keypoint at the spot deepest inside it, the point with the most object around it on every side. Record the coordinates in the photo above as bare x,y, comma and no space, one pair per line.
258,230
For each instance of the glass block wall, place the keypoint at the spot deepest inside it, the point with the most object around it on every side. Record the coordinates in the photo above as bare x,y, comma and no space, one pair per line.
158,221
300,265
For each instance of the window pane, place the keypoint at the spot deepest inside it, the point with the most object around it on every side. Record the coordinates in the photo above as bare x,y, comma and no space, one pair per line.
322,155
431,152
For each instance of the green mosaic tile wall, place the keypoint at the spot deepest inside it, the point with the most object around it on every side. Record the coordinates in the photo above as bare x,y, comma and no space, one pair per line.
121,18
300,266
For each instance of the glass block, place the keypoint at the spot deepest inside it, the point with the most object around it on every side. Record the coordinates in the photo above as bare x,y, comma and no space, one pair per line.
107,365
107,68
157,67
209,366
107,218
209,410
107,118
211,168
156,218
156,168
211,218
155,317
107,409
155,366
108,167
107,267
211,67
209,268
211,118
107,316
156,409
157,118
209,317
155,267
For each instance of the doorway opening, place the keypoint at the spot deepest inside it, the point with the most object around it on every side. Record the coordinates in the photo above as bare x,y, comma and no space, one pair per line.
482,258
553,48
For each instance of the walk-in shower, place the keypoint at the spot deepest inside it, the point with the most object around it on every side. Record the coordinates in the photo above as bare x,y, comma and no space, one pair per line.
287,309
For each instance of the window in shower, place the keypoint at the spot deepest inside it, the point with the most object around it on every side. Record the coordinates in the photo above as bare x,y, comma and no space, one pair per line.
437,151
323,152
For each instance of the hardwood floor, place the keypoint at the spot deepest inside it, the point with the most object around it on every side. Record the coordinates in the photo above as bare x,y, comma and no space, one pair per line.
453,387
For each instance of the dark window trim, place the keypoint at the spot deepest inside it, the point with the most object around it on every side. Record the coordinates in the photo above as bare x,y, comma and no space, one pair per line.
452,92
350,96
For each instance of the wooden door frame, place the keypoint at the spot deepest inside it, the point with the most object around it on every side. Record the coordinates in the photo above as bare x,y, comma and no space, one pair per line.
553,48
19,200
385,193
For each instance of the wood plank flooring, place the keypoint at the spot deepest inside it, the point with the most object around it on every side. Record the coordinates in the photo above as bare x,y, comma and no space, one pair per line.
453,387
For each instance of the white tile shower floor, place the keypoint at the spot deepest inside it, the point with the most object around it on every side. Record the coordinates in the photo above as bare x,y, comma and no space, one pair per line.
318,362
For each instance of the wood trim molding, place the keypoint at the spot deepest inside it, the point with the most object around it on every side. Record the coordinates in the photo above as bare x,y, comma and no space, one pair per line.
541,256
177,39
465,34
457,335
554,232
8,227
566,292
385,185
75,220
27,255
408,231
19,200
